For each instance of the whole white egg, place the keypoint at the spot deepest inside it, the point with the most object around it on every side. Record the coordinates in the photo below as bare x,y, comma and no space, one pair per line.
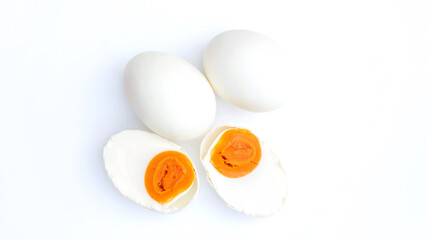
150,170
246,69
244,171
169,95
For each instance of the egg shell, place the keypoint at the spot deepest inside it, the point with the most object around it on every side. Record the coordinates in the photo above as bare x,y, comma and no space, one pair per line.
126,157
260,193
246,69
169,95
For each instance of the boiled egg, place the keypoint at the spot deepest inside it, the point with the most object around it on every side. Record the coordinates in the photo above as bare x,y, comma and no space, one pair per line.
169,95
245,68
244,171
150,170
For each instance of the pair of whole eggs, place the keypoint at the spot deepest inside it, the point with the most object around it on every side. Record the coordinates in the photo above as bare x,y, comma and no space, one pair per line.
175,100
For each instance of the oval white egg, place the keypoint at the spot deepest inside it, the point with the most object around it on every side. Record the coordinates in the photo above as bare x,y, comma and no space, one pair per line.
246,69
262,192
126,158
169,95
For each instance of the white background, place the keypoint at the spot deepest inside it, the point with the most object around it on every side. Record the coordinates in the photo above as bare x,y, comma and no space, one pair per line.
352,134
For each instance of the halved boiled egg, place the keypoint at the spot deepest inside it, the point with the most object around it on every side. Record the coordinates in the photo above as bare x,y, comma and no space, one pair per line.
150,170
244,171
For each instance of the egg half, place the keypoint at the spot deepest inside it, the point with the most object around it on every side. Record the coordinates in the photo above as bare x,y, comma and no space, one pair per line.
246,69
150,170
244,171
169,95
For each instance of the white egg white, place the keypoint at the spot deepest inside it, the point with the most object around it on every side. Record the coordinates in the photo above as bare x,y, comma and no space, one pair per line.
260,193
169,95
126,157
246,69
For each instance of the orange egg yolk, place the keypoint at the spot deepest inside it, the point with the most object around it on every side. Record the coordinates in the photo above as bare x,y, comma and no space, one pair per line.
167,175
237,153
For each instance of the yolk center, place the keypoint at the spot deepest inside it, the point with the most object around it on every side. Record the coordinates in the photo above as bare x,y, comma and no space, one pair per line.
167,175
237,153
